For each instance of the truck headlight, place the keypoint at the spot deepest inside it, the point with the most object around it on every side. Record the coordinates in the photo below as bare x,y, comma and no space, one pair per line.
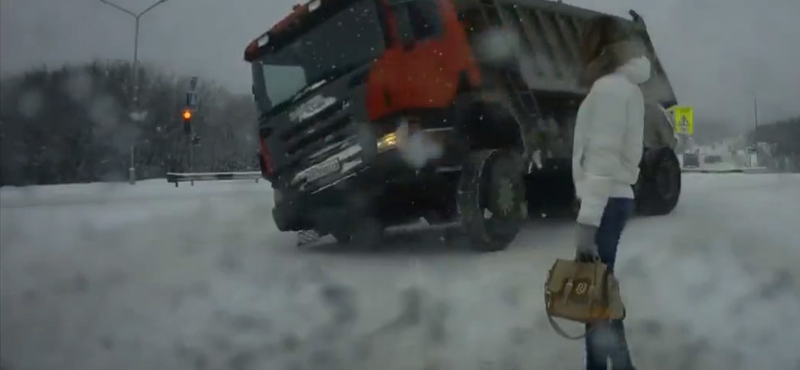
406,127
388,141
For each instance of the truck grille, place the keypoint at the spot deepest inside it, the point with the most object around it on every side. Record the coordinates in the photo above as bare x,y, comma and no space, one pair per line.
305,138
318,134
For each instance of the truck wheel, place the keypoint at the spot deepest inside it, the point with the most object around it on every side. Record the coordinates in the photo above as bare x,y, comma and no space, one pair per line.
660,184
491,199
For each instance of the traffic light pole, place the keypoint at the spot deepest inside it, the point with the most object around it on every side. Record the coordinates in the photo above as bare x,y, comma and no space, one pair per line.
191,106
188,130
191,151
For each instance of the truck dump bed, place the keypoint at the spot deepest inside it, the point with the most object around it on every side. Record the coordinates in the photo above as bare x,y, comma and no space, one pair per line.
550,35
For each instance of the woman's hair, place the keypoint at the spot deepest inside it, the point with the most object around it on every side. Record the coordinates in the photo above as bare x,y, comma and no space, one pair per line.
598,56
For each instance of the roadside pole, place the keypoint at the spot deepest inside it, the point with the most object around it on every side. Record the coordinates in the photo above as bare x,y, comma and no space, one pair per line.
132,168
136,114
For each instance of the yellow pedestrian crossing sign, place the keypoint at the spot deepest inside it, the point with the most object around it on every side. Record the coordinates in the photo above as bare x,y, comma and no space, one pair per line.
684,120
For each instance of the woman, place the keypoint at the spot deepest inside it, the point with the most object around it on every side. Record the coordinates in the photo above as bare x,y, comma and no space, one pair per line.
607,149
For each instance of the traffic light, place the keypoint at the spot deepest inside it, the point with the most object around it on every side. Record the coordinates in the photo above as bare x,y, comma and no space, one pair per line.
187,121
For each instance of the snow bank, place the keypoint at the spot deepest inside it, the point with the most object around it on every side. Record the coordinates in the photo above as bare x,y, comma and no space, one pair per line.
204,281
51,195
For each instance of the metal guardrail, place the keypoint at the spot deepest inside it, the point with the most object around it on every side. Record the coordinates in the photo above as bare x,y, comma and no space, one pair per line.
176,177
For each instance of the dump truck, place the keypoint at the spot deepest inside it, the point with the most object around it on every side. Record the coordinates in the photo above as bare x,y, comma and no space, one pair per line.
376,113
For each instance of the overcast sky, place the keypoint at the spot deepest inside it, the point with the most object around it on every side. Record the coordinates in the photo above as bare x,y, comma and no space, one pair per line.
716,52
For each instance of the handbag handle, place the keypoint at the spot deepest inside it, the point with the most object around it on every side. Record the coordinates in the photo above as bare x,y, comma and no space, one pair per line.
558,329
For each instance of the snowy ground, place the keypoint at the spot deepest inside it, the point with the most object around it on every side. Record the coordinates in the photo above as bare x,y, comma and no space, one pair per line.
152,277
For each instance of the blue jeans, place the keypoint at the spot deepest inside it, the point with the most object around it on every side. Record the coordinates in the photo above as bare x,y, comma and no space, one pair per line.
608,339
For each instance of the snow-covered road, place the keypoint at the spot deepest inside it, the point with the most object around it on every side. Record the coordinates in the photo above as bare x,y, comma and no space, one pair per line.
105,277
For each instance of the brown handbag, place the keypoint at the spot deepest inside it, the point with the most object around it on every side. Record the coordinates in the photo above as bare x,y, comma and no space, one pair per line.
585,292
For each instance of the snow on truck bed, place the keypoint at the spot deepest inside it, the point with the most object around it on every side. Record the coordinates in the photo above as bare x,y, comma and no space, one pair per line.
151,276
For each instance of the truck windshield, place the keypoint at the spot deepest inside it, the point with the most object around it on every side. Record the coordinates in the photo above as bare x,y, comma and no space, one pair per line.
343,42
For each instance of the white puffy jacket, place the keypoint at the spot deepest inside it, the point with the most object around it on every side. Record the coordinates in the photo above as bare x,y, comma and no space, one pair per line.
608,139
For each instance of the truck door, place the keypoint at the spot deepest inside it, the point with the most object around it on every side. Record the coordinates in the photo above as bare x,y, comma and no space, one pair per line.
425,60
421,73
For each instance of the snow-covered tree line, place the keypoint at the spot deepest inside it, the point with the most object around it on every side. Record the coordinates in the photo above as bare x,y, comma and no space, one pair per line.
74,124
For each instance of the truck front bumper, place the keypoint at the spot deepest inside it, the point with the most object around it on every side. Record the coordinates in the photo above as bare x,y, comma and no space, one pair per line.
330,203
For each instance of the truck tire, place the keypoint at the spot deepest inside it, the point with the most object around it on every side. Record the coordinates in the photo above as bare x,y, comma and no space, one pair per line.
659,186
491,199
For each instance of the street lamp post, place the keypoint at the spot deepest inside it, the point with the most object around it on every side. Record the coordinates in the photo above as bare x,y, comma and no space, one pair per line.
755,116
753,158
136,115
